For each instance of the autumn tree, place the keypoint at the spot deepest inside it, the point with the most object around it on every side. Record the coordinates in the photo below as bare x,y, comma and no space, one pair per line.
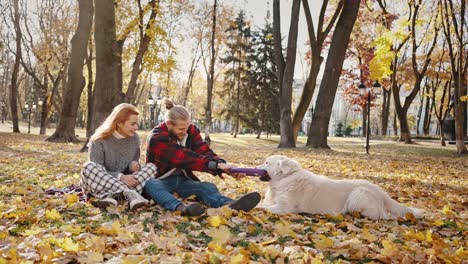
210,75
454,25
285,70
439,83
318,131
65,131
108,90
419,64
317,44
263,82
15,11
237,75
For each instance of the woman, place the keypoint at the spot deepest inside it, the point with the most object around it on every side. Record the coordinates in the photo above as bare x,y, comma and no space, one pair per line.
177,148
113,169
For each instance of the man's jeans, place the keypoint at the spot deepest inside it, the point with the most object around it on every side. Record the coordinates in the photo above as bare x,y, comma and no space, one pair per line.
161,191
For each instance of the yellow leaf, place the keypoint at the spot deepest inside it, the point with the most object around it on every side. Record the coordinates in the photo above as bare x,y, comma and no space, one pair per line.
69,245
257,219
75,230
227,211
220,235
96,243
323,242
114,229
215,221
33,231
283,229
239,259
91,257
133,259
446,210
52,214
420,236
265,243
389,248
461,252
254,248
217,248
439,222
72,199
313,260
368,236
429,236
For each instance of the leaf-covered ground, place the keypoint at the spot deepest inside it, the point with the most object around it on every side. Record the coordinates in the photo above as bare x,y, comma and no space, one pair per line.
35,227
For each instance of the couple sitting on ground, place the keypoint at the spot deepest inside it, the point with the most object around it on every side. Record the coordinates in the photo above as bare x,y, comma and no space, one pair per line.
175,149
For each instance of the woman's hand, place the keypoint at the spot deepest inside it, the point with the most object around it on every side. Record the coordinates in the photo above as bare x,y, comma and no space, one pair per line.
129,180
134,166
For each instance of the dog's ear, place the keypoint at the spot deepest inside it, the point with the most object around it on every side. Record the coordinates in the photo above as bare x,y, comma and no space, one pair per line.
287,166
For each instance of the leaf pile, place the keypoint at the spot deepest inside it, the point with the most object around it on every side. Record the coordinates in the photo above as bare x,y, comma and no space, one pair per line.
35,227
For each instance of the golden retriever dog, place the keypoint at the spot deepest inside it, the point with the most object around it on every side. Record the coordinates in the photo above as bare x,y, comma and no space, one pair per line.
293,189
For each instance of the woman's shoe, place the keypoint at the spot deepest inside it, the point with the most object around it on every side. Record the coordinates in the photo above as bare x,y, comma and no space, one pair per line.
135,200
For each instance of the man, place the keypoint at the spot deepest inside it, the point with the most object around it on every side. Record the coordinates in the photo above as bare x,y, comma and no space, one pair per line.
177,149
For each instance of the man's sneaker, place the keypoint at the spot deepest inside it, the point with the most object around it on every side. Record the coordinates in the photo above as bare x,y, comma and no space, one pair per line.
135,200
246,202
104,202
193,209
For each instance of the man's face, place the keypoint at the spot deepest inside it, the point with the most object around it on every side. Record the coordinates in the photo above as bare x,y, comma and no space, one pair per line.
178,128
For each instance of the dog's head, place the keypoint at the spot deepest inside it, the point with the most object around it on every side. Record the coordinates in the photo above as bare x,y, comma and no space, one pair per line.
279,166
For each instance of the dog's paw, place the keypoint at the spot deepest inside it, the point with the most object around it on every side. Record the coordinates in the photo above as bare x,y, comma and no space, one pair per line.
418,213
275,209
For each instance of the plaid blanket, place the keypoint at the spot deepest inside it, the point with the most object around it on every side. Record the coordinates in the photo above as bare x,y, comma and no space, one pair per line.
82,197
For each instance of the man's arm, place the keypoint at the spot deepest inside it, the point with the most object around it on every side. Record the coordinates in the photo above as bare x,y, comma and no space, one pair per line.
200,146
163,150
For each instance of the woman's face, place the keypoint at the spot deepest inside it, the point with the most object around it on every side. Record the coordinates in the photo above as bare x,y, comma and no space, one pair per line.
129,127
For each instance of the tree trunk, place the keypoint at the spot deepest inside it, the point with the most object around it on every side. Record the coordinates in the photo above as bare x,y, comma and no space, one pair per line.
287,139
108,90
143,47
318,131
459,119
65,131
44,116
316,44
193,67
89,67
210,84
427,113
418,117
405,135
386,110
306,97
364,120
14,76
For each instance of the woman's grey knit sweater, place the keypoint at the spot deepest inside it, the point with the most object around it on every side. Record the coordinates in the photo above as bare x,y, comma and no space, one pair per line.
115,154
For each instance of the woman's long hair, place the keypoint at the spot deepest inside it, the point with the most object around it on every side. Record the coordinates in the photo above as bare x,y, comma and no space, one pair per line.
120,114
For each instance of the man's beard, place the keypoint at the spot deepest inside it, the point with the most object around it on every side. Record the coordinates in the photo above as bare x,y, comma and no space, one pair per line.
173,134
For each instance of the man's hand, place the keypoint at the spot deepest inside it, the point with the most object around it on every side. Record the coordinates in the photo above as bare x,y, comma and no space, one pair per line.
129,180
226,167
134,166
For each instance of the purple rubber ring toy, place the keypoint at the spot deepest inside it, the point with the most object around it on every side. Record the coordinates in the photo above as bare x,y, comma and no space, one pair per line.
263,174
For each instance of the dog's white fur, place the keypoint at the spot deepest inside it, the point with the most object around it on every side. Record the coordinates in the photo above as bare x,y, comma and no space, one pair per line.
293,189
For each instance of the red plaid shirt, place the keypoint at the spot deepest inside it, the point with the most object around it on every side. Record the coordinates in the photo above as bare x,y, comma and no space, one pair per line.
164,151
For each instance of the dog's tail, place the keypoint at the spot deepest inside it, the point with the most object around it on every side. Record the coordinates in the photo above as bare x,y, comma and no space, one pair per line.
400,210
